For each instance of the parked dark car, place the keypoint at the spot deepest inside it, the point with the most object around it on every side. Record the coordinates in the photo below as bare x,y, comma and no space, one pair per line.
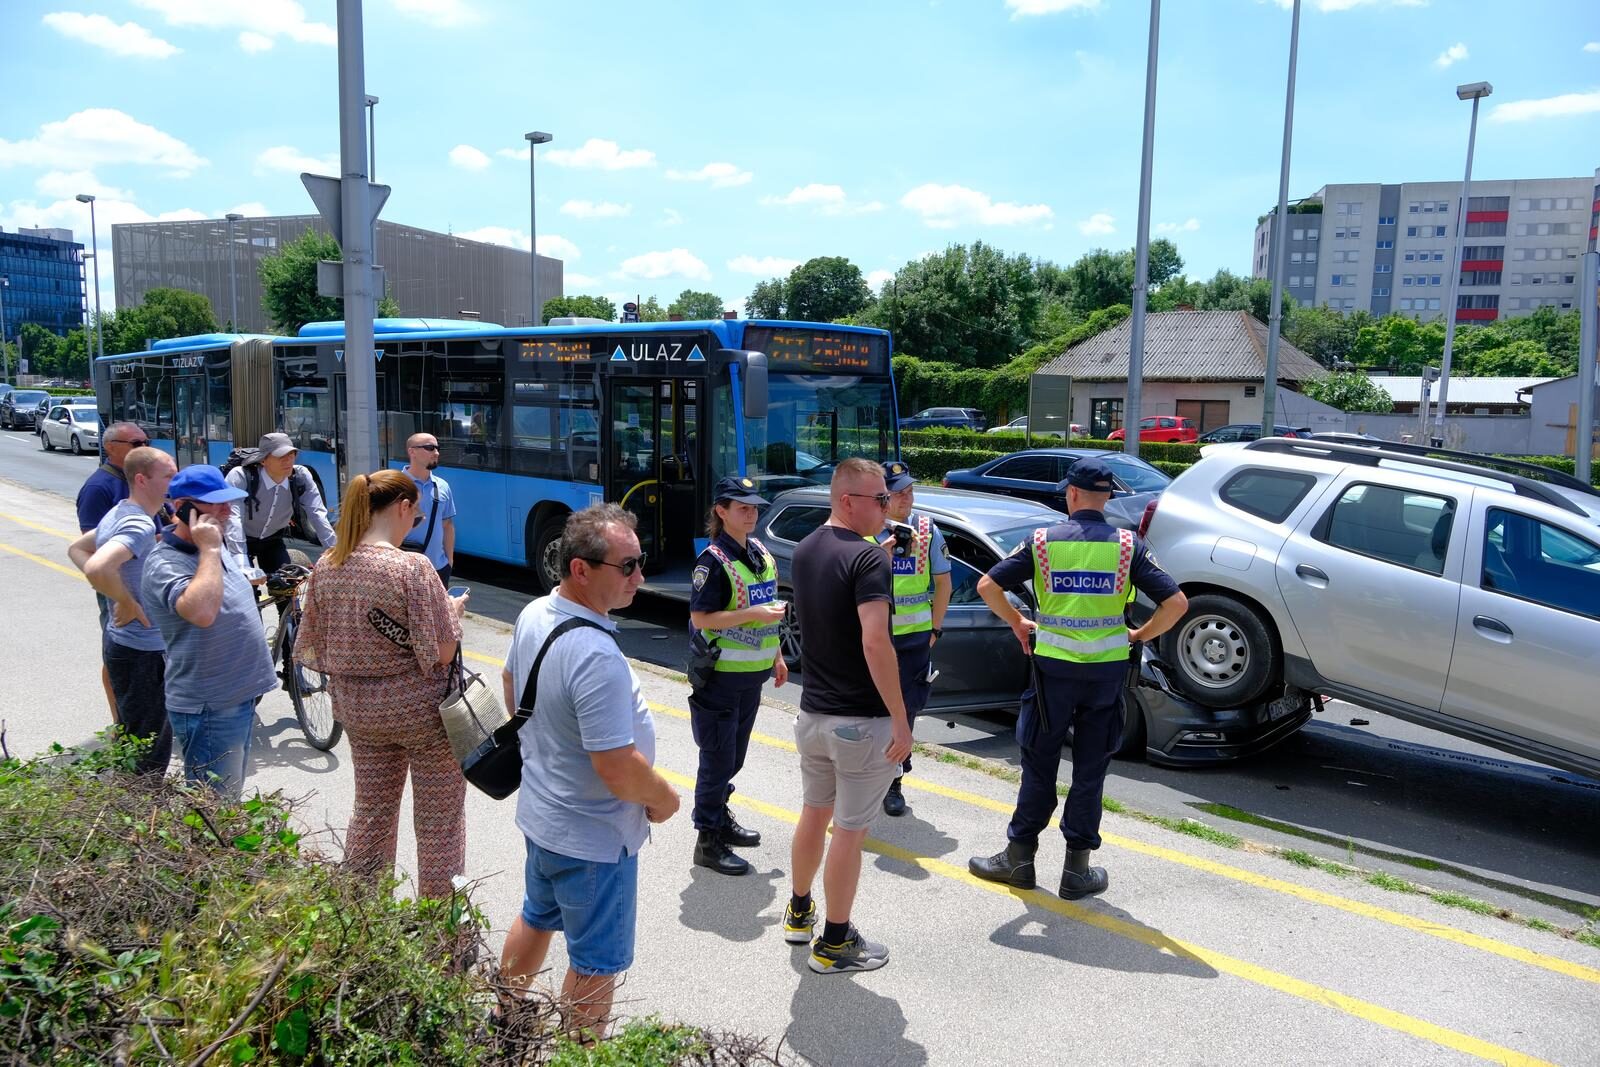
957,418
19,410
1040,474
1250,431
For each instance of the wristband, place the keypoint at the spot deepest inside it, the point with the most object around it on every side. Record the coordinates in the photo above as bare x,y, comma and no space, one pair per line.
938,632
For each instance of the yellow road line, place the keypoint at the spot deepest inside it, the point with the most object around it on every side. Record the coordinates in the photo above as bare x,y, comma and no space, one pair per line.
1144,935
41,561
52,531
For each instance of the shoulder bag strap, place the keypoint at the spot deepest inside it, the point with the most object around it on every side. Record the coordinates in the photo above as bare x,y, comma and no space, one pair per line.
433,515
530,688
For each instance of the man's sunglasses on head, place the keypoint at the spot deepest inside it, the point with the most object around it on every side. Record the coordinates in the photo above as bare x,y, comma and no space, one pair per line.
627,566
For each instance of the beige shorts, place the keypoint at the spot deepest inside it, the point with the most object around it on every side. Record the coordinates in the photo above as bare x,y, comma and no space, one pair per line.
848,774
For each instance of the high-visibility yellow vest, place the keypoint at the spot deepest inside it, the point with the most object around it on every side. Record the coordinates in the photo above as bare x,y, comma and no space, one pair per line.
913,581
752,647
1083,590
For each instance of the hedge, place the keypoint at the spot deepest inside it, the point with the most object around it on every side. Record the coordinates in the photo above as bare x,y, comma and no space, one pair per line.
1000,443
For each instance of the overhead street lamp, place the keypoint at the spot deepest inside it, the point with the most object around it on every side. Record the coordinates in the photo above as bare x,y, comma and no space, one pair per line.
233,280
372,137
535,139
1474,91
94,244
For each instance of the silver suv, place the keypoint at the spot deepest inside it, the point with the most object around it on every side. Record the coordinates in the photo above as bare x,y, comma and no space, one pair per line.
1457,591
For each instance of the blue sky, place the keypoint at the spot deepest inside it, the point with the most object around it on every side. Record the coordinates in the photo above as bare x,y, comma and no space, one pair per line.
714,145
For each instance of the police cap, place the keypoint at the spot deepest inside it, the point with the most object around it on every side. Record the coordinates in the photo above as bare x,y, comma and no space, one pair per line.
897,476
1091,475
739,491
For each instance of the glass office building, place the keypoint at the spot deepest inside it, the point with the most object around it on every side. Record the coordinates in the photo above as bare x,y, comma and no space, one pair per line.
44,272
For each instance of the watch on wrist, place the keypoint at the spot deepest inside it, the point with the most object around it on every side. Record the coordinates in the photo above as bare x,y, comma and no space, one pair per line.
938,632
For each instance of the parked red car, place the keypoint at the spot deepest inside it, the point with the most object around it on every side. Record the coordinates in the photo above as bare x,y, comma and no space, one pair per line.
1163,428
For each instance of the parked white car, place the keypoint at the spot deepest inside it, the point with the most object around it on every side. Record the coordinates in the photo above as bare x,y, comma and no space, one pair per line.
1020,425
1457,591
74,426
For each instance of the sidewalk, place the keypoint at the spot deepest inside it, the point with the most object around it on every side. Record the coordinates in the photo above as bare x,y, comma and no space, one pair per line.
1196,954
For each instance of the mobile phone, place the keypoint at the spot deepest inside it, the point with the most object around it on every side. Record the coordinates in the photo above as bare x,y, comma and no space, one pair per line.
458,590
850,733
186,512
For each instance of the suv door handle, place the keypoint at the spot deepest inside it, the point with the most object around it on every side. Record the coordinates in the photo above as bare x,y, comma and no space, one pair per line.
1484,622
1306,570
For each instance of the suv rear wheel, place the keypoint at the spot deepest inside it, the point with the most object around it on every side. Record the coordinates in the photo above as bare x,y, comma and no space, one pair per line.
1223,654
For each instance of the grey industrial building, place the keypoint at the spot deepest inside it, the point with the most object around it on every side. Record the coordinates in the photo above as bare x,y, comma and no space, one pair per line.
429,274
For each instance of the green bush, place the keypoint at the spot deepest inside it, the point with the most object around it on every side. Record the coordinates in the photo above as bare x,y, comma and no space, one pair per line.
931,464
1564,464
946,438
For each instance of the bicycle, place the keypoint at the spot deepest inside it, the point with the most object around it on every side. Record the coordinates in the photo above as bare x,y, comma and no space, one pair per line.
307,688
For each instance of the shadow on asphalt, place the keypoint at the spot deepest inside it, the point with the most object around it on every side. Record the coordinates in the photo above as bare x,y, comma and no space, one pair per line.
837,1019
729,907
1047,933
910,832
283,744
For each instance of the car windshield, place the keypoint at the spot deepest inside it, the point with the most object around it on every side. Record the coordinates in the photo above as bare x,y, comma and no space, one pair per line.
1137,475
1010,539
28,396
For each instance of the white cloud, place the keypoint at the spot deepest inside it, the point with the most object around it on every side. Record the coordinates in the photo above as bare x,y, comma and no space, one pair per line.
1023,8
598,154
68,184
591,209
558,247
676,263
1548,108
671,217
290,160
826,199
251,41
1188,226
1454,54
764,266
1592,46
720,175
127,39
253,209
944,206
270,18
1098,225
876,279
445,14
98,136
468,158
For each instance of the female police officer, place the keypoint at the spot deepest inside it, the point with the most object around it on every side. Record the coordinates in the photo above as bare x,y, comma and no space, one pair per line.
734,607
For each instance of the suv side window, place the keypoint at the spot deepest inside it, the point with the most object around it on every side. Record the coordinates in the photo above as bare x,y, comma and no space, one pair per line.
1532,560
793,523
1027,468
1266,494
1399,526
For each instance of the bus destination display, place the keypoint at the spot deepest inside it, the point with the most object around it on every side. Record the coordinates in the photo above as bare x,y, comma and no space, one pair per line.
822,350
555,350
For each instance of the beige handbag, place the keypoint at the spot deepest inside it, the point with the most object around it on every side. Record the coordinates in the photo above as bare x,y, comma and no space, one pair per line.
470,709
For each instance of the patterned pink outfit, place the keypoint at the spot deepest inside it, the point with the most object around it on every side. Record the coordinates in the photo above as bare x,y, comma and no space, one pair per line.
374,625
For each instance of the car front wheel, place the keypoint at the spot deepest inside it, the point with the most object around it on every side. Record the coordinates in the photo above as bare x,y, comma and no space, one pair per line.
789,633
1222,653
44,442
77,446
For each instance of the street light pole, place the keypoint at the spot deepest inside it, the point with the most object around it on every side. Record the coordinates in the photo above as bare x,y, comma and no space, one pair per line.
1141,254
372,138
233,278
1280,233
1474,91
94,245
535,139
5,283
1588,313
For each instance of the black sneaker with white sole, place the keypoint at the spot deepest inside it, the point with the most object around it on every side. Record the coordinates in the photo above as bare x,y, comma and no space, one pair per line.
855,954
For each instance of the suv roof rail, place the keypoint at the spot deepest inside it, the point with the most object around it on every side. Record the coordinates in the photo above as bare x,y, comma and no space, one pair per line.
1372,453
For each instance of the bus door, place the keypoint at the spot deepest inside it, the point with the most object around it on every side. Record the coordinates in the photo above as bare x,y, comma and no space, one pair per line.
341,415
634,472
682,513
189,420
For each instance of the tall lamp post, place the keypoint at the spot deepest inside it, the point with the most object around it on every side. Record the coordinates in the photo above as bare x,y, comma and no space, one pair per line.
233,279
1141,254
5,283
372,137
94,245
1269,395
1473,91
535,139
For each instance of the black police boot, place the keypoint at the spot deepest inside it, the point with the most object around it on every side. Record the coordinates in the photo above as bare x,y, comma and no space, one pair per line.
711,853
1078,879
894,801
1014,866
736,836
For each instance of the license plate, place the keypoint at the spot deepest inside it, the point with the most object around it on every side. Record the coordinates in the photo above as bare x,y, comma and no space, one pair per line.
1283,706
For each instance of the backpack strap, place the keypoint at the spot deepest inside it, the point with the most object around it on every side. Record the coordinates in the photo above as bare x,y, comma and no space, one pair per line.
427,537
530,688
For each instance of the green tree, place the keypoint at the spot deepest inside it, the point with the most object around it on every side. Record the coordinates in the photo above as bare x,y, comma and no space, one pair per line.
1321,333
593,307
162,314
1102,279
289,284
825,288
970,306
1349,391
766,300
696,305
650,310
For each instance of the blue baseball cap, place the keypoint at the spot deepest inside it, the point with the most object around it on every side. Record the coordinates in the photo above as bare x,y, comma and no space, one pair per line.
739,491
204,483
1091,475
897,476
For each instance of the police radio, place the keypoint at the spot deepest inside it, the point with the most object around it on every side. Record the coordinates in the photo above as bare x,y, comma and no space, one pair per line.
904,537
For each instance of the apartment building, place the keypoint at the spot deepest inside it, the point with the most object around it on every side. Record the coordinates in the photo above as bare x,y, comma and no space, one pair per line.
1389,248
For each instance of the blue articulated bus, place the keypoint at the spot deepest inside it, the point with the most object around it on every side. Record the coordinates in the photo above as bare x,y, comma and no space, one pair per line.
534,423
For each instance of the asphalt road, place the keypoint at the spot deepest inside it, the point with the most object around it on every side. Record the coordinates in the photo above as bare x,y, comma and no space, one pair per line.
1353,782
1196,954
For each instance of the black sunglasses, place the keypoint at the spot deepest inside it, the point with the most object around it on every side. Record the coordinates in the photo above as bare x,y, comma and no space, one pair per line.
141,443
627,566
427,448
881,498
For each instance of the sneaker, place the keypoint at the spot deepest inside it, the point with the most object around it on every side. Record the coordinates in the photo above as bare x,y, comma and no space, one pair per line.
797,925
856,954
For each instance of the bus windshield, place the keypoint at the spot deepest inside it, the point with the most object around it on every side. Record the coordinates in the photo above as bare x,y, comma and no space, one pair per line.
813,421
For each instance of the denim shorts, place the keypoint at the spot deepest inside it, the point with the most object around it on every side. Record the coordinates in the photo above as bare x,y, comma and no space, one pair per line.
592,903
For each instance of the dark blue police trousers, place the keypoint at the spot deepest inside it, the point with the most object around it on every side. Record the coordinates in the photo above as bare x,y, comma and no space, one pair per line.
913,658
722,716
1092,710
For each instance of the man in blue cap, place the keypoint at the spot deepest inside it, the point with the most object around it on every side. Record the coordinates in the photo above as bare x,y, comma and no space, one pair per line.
217,660
921,565
1084,573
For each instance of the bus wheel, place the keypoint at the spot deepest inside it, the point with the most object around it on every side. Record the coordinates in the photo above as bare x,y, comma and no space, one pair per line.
545,559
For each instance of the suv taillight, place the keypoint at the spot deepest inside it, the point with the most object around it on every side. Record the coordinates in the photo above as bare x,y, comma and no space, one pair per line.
1149,513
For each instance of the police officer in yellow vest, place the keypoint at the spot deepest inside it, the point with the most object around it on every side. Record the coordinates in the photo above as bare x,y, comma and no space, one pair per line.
1084,573
921,565
734,605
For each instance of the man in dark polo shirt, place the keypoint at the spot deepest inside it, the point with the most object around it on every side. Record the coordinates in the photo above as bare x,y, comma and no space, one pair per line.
852,731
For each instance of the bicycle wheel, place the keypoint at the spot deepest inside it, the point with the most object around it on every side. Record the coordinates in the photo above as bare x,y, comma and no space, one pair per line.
308,691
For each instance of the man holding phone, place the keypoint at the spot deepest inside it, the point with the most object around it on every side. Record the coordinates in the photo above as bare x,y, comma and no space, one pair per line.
852,731
217,660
